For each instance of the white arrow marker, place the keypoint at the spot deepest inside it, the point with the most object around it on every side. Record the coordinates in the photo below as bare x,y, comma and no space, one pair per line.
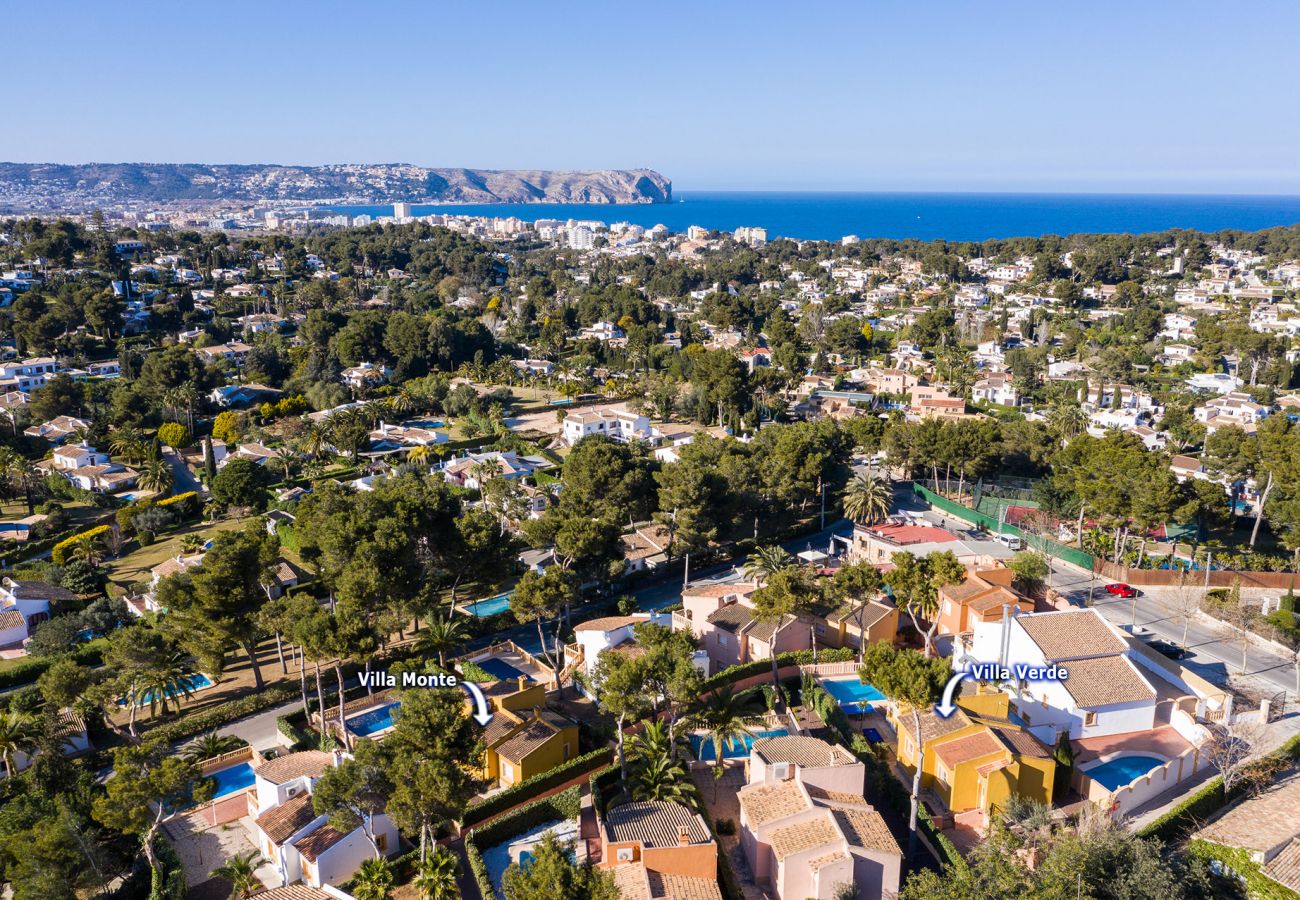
947,707
481,714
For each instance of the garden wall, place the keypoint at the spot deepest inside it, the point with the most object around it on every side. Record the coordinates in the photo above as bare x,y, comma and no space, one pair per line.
1280,581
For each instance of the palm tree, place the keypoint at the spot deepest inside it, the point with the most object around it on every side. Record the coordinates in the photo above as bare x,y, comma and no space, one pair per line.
163,685
1066,420
436,878
420,453
127,443
17,735
765,562
156,475
721,715
373,880
314,440
655,740
239,870
20,475
401,402
867,499
88,549
211,744
661,778
441,636
484,471
285,459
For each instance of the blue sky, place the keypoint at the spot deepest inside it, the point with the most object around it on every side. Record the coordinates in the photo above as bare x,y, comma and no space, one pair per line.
1143,95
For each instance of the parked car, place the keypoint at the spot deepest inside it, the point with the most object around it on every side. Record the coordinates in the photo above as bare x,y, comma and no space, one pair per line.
1168,649
1010,541
1121,589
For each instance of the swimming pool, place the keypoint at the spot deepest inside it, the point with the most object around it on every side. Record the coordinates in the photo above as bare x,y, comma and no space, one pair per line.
489,607
501,670
236,778
194,682
852,695
373,721
702,745
1122,770
425,423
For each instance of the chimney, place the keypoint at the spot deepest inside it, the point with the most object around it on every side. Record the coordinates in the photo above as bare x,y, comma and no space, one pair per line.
523,681
683,835
338,756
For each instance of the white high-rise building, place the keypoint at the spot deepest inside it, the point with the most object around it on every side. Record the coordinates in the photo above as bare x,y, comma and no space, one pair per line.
581,237
696,233
401,211
755,237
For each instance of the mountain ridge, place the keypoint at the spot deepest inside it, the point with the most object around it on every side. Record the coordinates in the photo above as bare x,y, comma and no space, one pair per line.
68,187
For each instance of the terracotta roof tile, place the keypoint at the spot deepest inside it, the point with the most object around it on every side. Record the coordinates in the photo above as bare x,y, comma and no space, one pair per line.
968,747
763,803
802,751
528,739
1106,681
664,886
803,836
654,823
1071,635
309,763
320,840
280,822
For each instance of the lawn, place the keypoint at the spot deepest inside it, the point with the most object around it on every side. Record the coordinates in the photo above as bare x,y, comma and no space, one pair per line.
135,565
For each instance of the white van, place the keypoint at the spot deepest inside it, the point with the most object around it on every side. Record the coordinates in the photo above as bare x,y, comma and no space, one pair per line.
1010,541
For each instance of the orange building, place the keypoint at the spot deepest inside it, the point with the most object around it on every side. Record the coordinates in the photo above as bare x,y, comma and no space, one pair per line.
660,849
979,598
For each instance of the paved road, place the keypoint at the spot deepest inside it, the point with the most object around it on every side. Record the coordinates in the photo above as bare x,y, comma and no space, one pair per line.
1215,651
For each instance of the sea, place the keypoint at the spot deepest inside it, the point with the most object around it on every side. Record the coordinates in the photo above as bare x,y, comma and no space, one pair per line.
924,216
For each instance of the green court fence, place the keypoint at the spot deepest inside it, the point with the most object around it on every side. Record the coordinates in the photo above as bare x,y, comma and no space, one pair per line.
1038,542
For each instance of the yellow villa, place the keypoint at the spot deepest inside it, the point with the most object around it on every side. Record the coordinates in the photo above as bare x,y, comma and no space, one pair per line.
976,758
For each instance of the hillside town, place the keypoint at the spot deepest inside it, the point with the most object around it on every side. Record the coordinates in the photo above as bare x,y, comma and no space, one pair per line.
456,556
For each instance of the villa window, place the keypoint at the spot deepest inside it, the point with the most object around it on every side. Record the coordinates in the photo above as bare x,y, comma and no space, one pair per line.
381,841
1089,719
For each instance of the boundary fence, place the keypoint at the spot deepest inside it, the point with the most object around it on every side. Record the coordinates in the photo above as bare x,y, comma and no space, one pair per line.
1038,542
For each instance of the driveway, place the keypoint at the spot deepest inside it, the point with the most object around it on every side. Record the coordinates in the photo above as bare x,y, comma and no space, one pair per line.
182,478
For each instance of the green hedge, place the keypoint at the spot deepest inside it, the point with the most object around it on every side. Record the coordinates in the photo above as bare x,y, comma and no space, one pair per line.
538,784
59,552
28,669
1238,862
290,730
564,805
732,674
224,714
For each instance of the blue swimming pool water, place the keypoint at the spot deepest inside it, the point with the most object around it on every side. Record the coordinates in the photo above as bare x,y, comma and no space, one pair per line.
195,682
1123,770
850,690
501,670
373,721
236,778
489,607
425,423
702,745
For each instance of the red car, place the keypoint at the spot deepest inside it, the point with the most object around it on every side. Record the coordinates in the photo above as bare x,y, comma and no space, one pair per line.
1122,590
